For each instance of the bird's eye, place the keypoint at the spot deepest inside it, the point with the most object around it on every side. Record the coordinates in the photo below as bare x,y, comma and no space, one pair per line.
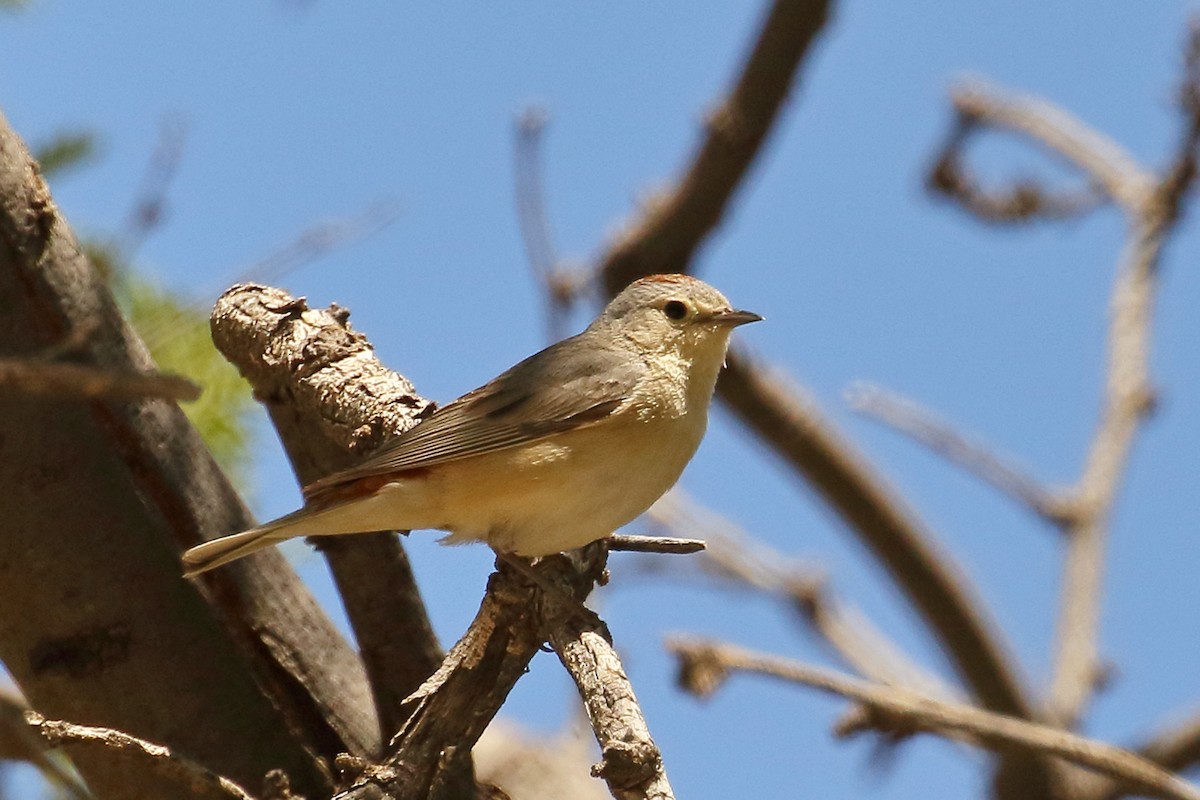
675,309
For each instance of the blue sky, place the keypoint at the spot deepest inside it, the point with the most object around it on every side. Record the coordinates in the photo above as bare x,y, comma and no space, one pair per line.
298,112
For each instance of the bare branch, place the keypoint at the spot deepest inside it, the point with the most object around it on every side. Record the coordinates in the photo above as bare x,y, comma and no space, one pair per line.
666,239
65,379
907,417
149,207
199,783
654,544
1024,201
632,765
445,716
1175,748
670,231
1153,205
1097,156
561,287
704,665
735,556
1127,401
333,402
790,424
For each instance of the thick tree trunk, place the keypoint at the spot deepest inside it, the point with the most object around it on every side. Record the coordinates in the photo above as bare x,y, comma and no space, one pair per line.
96,624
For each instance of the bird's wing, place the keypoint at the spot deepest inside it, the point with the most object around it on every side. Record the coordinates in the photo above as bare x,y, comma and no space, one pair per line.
566,386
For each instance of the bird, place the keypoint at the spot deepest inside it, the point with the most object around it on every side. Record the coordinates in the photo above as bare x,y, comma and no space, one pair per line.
558,451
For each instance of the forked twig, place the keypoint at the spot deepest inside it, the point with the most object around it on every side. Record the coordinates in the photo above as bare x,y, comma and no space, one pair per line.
704,665
1152,204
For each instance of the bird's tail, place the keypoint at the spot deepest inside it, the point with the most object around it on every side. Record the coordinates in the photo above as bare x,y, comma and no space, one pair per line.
209,555
216,552
360,515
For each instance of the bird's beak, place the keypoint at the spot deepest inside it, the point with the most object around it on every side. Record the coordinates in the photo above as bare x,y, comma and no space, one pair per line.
734,318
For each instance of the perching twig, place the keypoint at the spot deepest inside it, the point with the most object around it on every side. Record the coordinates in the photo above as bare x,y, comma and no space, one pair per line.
654,544
445,716
199,782
704,665
907,417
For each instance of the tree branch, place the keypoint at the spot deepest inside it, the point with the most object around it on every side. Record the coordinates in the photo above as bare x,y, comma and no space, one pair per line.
631,763
736,557
670,231
64,379
790,424
1153,205
446,715
184,774
276,683
666,239
1097,156
907,417
704,665
333,402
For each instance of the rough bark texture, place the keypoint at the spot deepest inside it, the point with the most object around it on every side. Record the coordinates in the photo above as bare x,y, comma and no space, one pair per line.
332,403
446,716
632,764
96,624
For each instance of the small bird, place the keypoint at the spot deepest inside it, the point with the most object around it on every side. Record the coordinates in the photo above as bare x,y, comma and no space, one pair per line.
559,451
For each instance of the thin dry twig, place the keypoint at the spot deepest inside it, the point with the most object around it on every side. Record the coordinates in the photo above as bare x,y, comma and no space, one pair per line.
742,560
200,782
909,418
788,422
150,203
655,544
561,286
66,379
704,665
1102,160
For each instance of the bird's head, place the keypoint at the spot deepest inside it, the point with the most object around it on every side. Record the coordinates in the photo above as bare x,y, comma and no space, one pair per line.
674,314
